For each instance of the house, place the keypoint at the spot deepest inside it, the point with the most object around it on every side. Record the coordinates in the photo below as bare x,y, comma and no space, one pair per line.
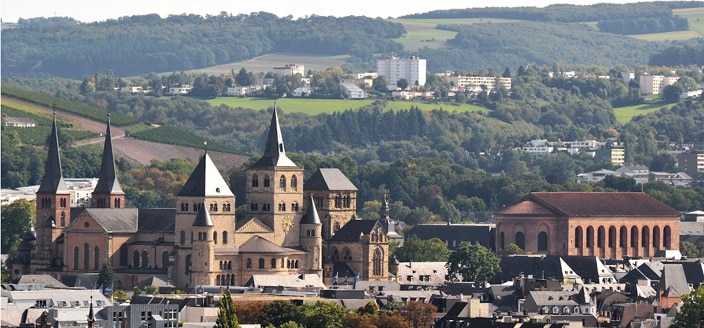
180,90
19,122
352,91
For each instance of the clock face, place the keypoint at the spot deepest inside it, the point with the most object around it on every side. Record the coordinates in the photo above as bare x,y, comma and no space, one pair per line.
288,223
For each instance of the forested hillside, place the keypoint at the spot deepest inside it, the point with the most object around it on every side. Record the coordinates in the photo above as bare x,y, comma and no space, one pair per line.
141,44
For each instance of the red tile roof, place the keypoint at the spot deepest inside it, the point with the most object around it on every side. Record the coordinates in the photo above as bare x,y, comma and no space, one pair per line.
600,204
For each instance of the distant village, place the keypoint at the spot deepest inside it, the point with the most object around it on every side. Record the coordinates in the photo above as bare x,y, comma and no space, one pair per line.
587,259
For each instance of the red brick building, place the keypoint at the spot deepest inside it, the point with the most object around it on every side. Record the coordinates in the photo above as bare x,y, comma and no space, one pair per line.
603,224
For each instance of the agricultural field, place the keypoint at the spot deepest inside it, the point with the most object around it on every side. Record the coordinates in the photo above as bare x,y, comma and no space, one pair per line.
266,63
695,16
626,114
423,32
329,106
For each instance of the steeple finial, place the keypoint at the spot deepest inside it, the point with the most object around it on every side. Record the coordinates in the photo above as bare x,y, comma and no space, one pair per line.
53,180
91,315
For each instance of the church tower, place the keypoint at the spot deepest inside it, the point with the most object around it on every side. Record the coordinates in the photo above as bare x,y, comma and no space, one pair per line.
275,189
53,209
205,187
203,248
108,193
312,238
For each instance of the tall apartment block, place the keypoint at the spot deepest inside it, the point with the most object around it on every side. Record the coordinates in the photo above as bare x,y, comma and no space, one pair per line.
691,163
655,84
412,69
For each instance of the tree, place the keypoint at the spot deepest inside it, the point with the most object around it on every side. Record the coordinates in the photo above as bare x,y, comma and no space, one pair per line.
402,83
473,262
419,314
17,218
671,93
691,313
227,314
322,314
279,312
251,312
380,84
106,275
511,249
416,250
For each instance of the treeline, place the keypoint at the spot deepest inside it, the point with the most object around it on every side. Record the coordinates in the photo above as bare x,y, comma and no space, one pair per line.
141,44
567,13
644,25
680,55
514,44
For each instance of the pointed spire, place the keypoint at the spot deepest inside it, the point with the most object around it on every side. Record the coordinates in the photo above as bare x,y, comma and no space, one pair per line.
274,152
203,218
205,180
53,181
91,315
311,216
108,183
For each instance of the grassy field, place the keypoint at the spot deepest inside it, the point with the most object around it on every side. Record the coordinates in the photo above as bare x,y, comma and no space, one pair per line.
695,16
669,36
318,106
423,32
626,114
266,63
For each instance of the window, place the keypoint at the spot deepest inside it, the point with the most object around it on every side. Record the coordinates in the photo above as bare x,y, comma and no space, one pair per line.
96,255
135,260
184,207
273,263
543,241
666,237
254,207
226,207
612,236
294,207
600,237
590,237
261,263
224,237
255,180
215,237
623,236
183,237
249,263
86,256
63,218
164,260
75,257
145,260
118,203
266,181
634,236
578,237
521,240
645,237
282,183
266,207
282,207
214,207
294,183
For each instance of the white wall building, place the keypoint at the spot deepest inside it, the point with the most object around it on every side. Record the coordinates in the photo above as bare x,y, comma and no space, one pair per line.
352,91
290,69
474,83
654,84
412,69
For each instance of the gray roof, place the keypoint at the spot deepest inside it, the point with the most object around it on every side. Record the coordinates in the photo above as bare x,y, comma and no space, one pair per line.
205,180
108,183
329,179
454,234
157,219
274,152
290,280
115,219
551,298
53,180
203,218
258,244
350,232
43,279
673,282
311,216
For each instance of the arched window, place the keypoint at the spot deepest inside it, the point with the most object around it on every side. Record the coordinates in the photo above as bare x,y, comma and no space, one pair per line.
249,263
666,235
183,237
294,183
261,263
623,235
282,207
63,218
578,237
612,236
273,263
255,180
214,207
229,267
378,260
346,254
656,237
184,207
164,260
215,237
86,256
590,237
76,256
224,237
645,237
226,207
266,181
634,236
145,260
600,237
118,203
188,263
335,253
294,206
282,183
521,240
135,260
542,241
96,258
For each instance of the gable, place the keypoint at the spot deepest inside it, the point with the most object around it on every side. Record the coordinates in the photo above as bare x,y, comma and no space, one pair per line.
254,225
105,219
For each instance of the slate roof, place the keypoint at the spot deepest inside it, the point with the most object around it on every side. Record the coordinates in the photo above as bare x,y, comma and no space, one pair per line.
541,267
53,180
205,180
329,179
311,215
673,282
43,279
274,151
115,219
474,233
643,271
107,182
693,271
203,218
157,219
551,298
351,231
259,245
596,204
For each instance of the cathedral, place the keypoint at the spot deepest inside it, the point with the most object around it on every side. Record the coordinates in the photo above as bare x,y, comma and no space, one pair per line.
289,227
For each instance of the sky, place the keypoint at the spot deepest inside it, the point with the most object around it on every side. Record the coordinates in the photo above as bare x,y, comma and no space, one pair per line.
100,10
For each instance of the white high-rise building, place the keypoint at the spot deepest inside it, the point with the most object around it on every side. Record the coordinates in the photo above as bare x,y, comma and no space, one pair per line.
394,68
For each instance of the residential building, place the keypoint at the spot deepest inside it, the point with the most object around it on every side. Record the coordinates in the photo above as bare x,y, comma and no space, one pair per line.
691,163
478,83
180,90
602,224
290,69
352,91
655,84
412,69
19,122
